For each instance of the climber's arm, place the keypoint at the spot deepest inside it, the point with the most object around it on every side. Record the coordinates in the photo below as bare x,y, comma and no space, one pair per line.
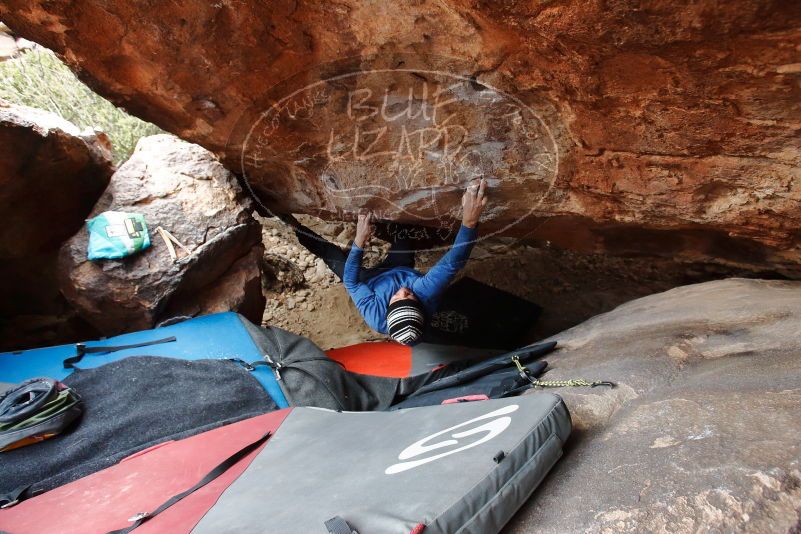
363,297
434,283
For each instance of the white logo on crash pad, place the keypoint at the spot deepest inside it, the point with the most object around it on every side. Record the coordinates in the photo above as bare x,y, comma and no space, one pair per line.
499,422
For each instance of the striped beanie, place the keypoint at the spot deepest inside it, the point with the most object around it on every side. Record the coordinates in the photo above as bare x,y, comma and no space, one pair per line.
405,321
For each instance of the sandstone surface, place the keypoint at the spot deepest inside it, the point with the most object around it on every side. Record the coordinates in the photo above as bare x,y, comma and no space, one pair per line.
701,434
622,126
184,189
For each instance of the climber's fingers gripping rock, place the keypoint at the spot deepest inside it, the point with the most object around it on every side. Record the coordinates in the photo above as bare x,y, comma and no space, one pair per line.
364,229
473,202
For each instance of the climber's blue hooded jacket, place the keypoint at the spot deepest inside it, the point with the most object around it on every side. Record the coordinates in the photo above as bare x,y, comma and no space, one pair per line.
372,297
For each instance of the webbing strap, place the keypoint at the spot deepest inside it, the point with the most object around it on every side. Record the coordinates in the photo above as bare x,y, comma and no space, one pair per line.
229,462
83,350
337,525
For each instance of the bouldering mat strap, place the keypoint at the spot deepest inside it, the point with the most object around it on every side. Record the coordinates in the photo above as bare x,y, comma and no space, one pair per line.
82,350
242,363
229,462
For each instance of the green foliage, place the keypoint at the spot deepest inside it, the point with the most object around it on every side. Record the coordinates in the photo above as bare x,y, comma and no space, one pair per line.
37,78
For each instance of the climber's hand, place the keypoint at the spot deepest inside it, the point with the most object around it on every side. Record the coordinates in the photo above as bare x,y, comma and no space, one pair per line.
364,229
473,202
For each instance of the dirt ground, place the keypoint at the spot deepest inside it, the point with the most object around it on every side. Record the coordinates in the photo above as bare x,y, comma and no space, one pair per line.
305,297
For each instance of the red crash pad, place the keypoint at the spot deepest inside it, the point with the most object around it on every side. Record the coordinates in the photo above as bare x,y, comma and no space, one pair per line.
390,359
104,501
379,358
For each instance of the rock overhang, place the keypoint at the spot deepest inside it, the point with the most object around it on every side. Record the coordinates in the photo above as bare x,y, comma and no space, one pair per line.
663,120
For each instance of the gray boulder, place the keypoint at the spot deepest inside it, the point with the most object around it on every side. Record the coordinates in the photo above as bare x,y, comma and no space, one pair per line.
185,190
702,433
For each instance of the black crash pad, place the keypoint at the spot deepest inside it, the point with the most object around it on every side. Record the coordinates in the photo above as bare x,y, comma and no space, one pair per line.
474,314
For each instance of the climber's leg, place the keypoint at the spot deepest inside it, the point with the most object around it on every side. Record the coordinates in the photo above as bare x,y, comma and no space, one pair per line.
330,253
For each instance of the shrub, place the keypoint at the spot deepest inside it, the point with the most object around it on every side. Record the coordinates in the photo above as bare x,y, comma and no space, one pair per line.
37,78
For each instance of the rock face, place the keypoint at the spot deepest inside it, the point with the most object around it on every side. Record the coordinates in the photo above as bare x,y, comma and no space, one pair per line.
51,175
621,126
10,46
184,189
701,433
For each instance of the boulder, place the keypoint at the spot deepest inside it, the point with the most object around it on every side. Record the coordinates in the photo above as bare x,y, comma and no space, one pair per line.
52,174
239,288
33,312
624,126
701,432
182,188
8,44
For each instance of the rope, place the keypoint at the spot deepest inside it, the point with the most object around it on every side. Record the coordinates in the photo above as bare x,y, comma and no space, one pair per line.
575,382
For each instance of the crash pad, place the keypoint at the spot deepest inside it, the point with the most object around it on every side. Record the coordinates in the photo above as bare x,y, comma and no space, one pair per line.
104,501
475,314
216,336
439,469
130,405
390,359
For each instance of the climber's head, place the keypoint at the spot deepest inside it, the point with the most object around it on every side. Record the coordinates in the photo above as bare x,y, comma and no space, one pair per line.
405,317
403,293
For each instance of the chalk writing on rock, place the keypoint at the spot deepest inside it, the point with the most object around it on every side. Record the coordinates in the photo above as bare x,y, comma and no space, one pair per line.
401,142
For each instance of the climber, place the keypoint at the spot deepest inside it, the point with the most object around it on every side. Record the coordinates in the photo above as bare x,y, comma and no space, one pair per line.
393,297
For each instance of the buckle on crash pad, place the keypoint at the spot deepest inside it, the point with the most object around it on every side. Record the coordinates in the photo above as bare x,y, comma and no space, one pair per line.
138,517
241,362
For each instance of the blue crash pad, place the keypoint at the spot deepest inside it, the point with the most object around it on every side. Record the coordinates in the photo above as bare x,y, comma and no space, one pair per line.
217,336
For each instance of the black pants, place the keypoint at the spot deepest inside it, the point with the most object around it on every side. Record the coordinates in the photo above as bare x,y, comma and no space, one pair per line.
401,254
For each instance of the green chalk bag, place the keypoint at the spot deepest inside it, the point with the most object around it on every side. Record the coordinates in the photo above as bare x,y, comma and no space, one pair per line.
116,234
